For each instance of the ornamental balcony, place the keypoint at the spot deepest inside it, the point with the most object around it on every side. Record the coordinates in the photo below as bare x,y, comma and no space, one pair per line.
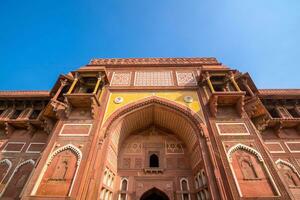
223,91
86,88
278,114
21,114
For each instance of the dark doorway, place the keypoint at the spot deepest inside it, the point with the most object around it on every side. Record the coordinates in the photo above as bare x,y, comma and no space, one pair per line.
154,162
154,194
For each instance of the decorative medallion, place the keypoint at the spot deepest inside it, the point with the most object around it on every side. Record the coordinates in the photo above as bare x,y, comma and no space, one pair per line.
188,99
118,100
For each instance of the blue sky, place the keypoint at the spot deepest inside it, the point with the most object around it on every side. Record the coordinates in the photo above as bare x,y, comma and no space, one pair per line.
40,39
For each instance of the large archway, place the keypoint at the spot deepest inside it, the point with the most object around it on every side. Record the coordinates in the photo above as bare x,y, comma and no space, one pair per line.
154,194
163,131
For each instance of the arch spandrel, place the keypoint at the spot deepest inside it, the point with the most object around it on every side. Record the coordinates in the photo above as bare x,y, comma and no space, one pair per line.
176,97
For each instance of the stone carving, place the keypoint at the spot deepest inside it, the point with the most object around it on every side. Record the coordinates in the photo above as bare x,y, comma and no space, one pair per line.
159,78
243,147
138,163
289,172
126,163
144,61
174,148
121,79
133,148
247,168
5,166
250,171
186,79
18,180
59,175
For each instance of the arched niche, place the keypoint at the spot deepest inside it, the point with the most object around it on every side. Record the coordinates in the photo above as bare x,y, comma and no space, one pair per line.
60,172
289,173
18,179
5,166
250,172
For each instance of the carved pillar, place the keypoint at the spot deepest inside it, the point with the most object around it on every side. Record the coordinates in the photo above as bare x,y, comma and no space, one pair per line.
207,78
97,84
63,83
73,84
245,83
231,77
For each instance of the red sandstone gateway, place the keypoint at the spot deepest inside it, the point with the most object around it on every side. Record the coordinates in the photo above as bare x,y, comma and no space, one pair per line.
150,129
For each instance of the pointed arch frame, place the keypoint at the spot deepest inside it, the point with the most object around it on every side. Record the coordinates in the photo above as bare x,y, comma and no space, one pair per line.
32,162
9,163
195,120
71,147
286,163
243,147
259,157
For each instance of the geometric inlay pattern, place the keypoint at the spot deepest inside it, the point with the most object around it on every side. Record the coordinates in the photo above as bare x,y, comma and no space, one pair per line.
274,147
133,148
75,130
35,147
163,78
293,146
174,148
121,79
14,147
186,79
232,129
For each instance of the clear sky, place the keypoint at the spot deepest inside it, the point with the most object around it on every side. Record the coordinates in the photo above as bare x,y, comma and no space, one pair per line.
40,39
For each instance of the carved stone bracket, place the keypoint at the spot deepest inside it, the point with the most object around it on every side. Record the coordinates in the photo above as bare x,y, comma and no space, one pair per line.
261,123
8,128
47,124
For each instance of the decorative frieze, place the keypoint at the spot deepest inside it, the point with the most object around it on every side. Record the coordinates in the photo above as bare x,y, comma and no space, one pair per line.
186,79
153,78
121,79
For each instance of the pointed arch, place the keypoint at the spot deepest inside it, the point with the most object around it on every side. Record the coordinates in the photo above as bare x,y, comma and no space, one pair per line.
77,153
154,191
243,147
197,122
70,147
23,178
288,164
25,162
262,165
9,164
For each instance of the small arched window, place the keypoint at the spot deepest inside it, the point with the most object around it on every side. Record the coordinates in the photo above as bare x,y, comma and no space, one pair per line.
124,185
185,189
123,188
184,185
154,161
